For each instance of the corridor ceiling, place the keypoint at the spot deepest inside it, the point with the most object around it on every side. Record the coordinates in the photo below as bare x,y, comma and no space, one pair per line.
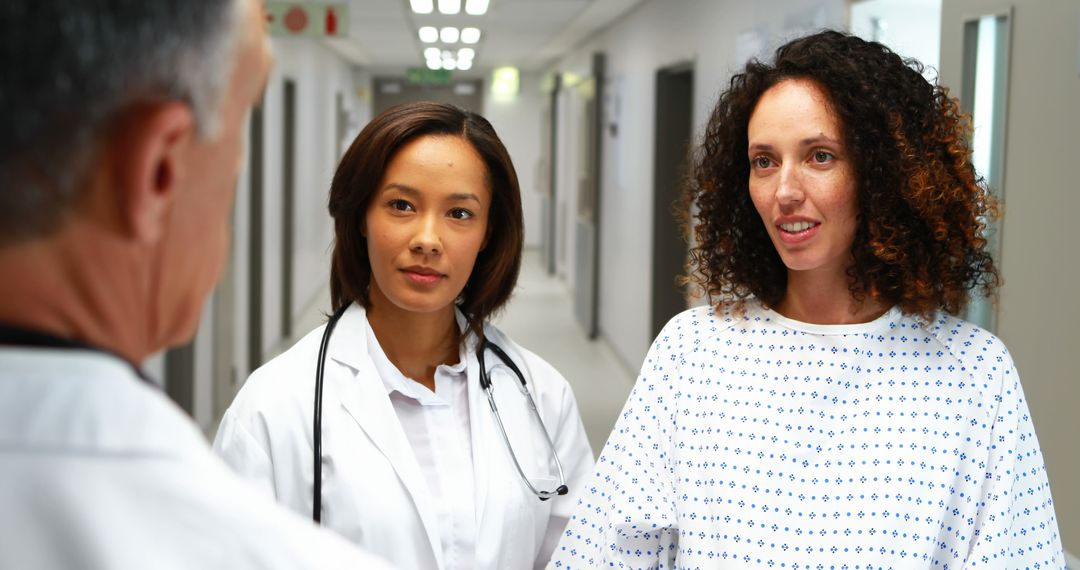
527,34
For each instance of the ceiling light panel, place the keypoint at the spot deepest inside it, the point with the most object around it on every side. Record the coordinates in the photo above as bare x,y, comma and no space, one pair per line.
449,7
449,35
429,35
422,6
470,35
476,7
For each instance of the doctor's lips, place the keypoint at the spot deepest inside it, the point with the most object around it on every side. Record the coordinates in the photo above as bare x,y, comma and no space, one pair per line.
794,229
423,275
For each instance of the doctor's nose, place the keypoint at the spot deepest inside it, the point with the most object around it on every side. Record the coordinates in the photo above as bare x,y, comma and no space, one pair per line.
789,192
426,238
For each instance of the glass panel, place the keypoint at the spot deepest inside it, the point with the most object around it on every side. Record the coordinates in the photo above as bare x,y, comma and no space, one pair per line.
911,28
986,49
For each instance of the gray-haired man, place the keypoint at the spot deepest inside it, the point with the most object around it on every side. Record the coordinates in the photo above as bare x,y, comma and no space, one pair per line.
122,126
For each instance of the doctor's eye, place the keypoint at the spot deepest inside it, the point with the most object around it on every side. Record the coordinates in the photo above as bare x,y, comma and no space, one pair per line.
461,214
823,157
400,205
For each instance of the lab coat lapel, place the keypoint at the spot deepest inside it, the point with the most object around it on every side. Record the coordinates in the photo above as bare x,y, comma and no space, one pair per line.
364,398
496,477
483,435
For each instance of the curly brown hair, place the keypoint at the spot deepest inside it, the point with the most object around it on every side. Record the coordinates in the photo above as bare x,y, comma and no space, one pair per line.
922,209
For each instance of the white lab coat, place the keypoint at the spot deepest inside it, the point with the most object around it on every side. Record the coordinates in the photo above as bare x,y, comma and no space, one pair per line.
373,490
98,469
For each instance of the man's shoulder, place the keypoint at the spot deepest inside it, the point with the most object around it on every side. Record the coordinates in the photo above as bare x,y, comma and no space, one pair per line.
180,507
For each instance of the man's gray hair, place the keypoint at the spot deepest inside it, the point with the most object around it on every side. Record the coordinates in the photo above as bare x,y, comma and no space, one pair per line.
70,66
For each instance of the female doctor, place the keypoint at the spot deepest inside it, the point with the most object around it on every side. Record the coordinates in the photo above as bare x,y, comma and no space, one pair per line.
414,463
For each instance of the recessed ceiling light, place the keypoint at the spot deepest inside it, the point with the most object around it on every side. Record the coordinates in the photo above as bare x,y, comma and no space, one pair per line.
449,6
470,35
429,35
465,64
422,6
432,53
476,7
466,53
449,35
434,64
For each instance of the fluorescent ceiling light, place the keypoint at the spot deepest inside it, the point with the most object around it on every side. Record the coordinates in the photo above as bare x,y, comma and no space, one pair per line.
434,64
432,53
449,35
422,6
449,64
470,35
476,7
449,6
505,82
466,53
429,35
465,64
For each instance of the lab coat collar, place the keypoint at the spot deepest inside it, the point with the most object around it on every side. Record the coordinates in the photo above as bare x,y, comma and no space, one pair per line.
348,343
86,401
369,406
364,398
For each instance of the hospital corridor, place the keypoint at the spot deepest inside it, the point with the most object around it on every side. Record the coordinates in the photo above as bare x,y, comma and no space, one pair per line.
608,112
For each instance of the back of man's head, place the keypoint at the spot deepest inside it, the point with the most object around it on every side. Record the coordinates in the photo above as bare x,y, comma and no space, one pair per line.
70,66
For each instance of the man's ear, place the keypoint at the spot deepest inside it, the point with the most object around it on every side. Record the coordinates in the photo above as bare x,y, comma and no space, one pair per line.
153,148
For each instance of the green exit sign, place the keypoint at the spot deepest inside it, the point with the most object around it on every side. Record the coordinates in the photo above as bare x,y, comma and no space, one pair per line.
425,76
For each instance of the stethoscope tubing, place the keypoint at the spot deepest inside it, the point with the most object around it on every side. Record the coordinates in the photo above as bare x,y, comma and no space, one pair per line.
316,507
485,382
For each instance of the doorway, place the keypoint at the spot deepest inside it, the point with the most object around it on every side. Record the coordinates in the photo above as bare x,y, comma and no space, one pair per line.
288,203
674,127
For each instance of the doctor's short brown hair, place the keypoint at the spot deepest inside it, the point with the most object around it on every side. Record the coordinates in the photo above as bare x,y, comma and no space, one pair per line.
357,181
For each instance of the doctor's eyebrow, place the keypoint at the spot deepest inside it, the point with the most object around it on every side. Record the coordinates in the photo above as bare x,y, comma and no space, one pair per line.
415,193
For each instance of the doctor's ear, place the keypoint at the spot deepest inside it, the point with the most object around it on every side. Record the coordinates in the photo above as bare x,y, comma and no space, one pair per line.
147,153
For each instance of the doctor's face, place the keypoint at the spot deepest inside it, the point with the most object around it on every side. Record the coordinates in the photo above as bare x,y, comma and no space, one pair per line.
426,224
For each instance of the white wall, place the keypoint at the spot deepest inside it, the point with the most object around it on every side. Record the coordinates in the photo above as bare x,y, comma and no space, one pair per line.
1039,310
658,33
517,122
319,74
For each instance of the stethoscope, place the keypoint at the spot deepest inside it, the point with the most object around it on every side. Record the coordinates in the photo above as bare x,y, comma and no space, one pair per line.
485,383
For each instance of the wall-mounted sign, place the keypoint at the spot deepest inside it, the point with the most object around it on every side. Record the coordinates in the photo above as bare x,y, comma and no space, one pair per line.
308,20
425,76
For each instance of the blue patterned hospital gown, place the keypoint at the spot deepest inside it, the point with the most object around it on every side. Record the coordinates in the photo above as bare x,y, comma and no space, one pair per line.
754,441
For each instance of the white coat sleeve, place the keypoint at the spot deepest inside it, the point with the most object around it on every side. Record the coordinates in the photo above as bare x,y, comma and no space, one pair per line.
576,455
1016,526
625,517
245,454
